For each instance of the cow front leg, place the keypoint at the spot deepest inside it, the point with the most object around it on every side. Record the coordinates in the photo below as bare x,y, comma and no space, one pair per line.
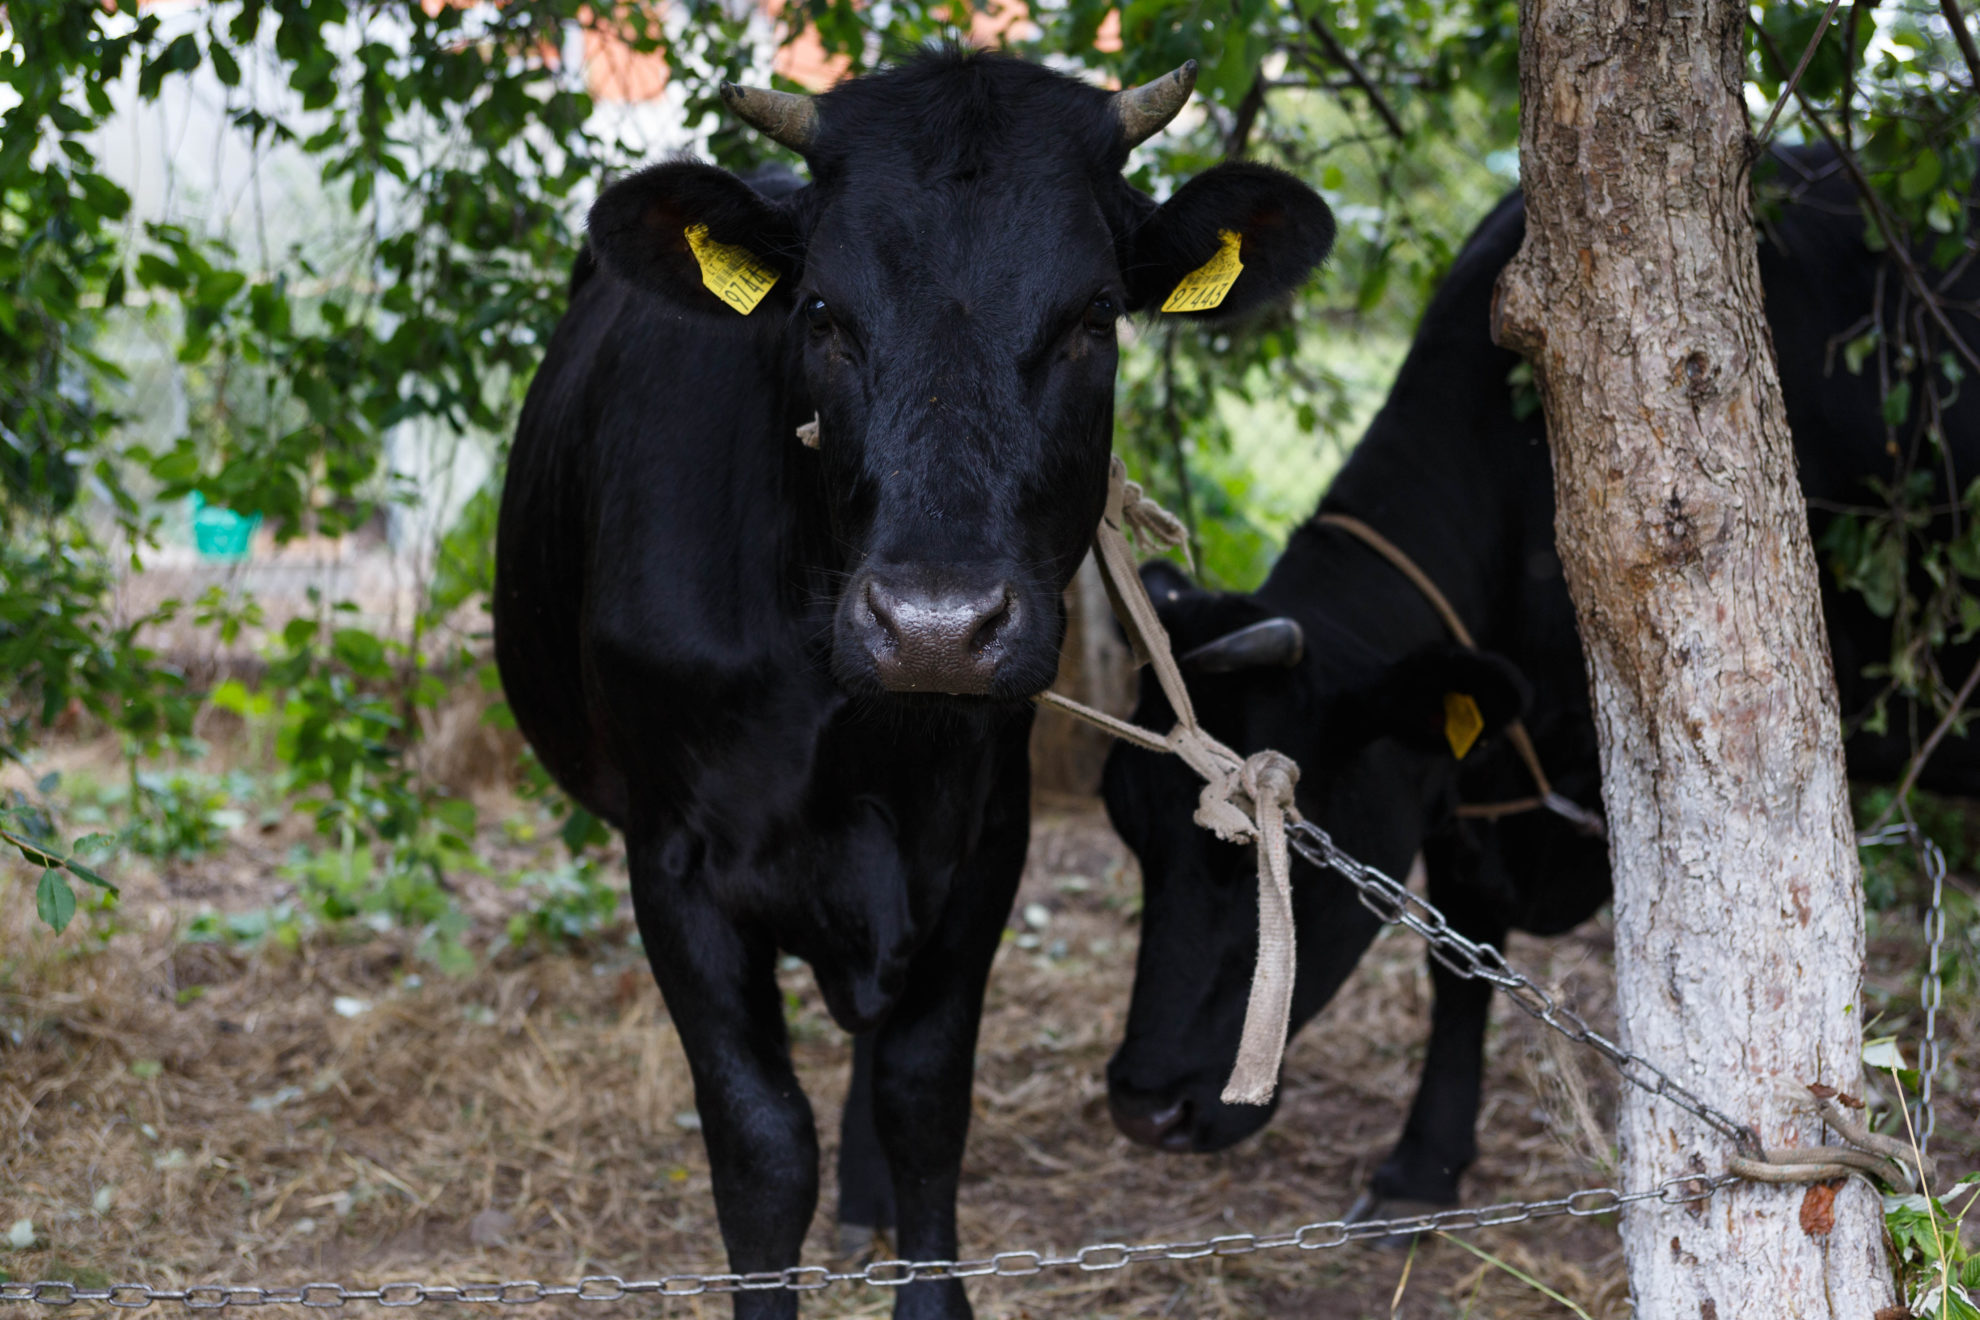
925,1059
866,1186
719,982
1439,1140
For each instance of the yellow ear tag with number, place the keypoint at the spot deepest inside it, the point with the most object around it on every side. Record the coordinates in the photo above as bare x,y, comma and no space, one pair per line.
731,273
1205,287
1462,723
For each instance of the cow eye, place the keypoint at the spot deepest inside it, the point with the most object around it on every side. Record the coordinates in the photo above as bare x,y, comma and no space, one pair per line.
817,315
1101,314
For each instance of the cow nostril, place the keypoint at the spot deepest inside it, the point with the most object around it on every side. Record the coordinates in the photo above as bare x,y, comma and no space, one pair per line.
881,604
999,620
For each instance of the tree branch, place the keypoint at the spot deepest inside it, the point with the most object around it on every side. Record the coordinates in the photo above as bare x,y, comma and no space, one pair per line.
1247,115
1900,251
1794,80
1931,744
1957,21
1339,55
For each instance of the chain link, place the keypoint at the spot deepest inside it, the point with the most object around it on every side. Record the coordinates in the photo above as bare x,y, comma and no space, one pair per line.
1099,1257
1395,904
1933,861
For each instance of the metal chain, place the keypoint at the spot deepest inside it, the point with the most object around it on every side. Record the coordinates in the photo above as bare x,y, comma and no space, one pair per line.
1099,1257
1395,904
1933,860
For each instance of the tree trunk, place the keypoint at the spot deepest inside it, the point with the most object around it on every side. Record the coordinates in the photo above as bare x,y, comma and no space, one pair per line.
1739,927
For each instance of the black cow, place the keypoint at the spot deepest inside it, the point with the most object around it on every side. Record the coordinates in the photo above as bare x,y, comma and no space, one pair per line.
1451,473
796,677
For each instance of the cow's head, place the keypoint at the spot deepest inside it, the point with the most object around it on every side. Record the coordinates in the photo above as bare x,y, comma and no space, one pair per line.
1376,766
950,282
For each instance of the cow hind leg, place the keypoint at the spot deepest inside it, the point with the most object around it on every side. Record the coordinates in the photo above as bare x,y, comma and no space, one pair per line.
719,981
866,1186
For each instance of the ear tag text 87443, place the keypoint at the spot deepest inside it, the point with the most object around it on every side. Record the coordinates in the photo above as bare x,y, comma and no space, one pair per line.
731,273
1205,287
1462,723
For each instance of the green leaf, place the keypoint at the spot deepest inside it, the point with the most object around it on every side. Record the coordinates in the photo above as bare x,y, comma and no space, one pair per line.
54,901
1922,177
81,872
224,67
217,287
1857,349
1897,403
153,271
177,467
361,650
1882,1052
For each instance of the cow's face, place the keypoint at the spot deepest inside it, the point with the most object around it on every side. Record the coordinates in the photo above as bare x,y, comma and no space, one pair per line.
1375,768
948,290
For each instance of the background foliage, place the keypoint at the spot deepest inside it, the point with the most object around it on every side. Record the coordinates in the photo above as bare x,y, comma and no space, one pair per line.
449,151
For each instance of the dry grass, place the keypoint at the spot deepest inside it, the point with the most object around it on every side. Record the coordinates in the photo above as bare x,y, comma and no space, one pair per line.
188,1113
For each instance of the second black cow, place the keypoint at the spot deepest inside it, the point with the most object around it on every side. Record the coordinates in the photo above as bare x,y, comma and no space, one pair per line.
1450,472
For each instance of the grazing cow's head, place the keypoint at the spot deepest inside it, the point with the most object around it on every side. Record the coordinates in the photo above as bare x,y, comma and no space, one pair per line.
1376,767
951,280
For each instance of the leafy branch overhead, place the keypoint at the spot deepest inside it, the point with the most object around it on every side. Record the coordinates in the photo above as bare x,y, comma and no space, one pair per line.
381,247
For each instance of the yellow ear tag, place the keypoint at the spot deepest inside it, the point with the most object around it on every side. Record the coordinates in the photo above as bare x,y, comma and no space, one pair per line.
1205,287
731,273
1462,723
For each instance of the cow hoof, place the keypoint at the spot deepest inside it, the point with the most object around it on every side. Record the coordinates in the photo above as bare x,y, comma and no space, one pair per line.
1370,1206
861,1244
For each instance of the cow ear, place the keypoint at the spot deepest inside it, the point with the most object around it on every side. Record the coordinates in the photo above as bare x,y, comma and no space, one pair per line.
1444,698
698,237
1276,227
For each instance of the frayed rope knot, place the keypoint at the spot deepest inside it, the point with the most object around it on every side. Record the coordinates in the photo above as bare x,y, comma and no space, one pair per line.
1244,799
1154,526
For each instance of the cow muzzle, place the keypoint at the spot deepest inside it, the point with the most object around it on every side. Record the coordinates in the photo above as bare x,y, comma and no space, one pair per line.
1185,1116
935,631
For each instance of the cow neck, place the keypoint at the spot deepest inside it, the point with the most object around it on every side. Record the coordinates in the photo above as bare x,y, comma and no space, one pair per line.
1447,482
1545,798
1352,596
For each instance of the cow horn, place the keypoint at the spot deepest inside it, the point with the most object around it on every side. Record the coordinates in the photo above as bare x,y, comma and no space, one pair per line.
1146,110
779,116
1270,643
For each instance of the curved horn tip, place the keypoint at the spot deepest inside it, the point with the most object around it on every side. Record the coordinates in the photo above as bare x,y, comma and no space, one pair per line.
780,116
1146,110
1275,643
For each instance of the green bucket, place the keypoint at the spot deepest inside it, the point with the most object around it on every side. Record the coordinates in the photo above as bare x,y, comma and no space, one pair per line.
220,533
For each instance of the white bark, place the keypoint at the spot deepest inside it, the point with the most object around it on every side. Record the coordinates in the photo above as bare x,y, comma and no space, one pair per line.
1739,928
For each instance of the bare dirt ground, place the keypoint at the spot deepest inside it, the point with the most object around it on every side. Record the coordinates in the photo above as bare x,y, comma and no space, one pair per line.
184,1112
